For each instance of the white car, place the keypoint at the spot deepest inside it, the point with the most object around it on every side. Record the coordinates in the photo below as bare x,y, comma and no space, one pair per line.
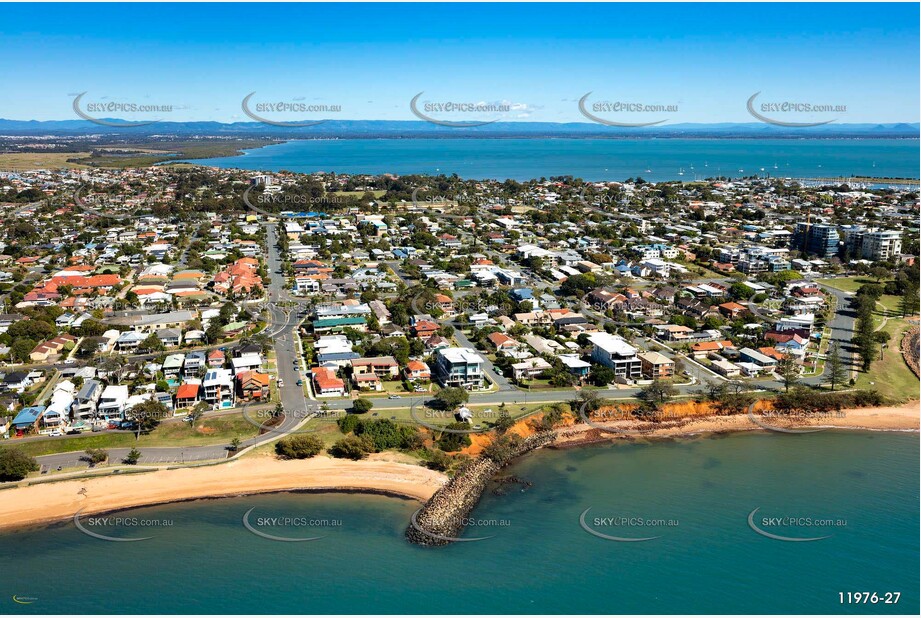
55,434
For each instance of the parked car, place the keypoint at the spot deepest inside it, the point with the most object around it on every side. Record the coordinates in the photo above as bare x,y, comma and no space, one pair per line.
394,397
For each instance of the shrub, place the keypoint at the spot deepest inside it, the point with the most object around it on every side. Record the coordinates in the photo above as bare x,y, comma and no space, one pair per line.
352,447
450,441
348,423
298,447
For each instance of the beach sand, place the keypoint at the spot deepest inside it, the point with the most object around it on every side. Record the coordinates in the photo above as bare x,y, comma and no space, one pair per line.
384,473
893,418
50,502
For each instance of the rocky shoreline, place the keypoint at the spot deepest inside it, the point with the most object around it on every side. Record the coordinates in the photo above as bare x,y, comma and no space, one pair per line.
441,520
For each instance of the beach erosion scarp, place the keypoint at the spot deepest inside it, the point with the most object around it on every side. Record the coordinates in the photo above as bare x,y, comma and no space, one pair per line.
441,520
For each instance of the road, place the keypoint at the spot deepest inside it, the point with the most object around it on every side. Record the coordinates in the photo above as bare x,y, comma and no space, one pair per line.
298,408
282,329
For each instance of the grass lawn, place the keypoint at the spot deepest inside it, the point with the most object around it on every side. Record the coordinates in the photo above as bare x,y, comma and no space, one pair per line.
891,376
846,284
18,162
377,193
217,430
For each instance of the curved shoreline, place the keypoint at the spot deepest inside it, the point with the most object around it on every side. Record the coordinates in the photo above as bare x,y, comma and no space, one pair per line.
50,502
47,503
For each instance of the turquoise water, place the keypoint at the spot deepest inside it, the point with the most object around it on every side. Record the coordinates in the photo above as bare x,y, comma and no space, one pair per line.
539,559
590,159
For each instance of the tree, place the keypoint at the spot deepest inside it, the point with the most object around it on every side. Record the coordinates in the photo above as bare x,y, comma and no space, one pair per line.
298,447
504,422
15,465
147,415
788,370
151,343
657,394
879,273
882,338
361,405
21,349
601,376
908,303
450,398
352,447
132,457
835,372
197,411
235,444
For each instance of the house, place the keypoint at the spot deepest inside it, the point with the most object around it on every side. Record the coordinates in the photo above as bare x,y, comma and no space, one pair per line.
187,395
169,336
253,385
216,358
575,365
172,366
128,340
218,388
334,325
656,366
702,349
502,342
732,310
87,399
16,381
326,384
246,362
28,420
384,367
112,402
530,368
614,352
757,358
334,350
417,370
459,367
423,329
193,364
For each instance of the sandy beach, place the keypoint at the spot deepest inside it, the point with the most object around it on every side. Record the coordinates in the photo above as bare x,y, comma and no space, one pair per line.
384,473
893,418
50,502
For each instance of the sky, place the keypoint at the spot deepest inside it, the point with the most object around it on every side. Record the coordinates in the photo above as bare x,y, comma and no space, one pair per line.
694,62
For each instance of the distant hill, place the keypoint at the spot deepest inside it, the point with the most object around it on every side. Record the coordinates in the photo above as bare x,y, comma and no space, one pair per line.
418,128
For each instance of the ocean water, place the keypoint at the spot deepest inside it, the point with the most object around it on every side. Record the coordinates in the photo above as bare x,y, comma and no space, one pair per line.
590,159
538,558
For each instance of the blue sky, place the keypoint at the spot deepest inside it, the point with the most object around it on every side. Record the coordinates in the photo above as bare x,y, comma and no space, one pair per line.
371,59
